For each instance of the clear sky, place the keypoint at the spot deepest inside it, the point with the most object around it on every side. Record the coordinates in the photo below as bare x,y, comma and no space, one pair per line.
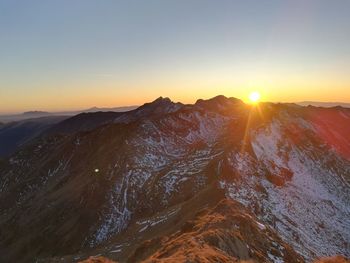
72,54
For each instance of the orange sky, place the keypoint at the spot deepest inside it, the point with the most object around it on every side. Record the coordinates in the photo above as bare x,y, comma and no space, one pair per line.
75,55
111,92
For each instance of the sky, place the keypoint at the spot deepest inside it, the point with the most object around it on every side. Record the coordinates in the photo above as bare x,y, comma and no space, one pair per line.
65,55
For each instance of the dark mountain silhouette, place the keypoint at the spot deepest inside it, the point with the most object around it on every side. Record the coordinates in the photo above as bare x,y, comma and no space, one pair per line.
216,181
15,134
324,104
84,122
91,120
36,114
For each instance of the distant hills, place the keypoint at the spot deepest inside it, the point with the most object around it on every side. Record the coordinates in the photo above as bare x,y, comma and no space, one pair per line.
324,104
17,130
16,134
37,114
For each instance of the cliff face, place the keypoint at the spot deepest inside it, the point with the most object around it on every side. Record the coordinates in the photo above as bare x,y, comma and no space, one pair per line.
217,180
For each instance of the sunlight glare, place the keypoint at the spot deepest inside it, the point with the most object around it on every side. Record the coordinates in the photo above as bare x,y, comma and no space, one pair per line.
254,97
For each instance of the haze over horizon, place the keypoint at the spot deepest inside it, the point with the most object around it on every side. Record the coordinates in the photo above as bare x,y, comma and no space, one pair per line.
77,110
75,55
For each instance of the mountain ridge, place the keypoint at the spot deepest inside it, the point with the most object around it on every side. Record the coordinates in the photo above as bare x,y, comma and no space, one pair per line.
164,168
324,104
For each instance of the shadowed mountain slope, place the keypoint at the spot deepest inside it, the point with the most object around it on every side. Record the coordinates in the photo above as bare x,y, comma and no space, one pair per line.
15,134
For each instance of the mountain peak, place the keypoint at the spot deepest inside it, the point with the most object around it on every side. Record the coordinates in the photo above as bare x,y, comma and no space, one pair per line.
157,107
218,103
219,99
160,100
161,106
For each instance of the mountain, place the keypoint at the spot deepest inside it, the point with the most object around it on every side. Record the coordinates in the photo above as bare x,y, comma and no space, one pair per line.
24,116
216,181
37,114
117,109
15,134
157,108
90,120
324,104
84,122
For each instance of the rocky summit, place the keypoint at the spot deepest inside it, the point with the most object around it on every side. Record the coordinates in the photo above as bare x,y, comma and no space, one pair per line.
216,181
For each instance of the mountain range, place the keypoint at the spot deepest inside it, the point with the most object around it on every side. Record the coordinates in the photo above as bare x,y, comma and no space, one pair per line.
6,118
324,104
18,129
213,181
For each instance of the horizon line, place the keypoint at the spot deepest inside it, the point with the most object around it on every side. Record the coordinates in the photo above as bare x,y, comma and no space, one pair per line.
70,110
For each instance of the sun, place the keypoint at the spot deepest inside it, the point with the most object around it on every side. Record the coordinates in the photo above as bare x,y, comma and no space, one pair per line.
254,97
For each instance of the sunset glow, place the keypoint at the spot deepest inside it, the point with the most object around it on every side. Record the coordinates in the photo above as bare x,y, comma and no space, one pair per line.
254,97
122,54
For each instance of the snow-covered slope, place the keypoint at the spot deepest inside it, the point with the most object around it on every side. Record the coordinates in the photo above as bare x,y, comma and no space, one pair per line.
305,185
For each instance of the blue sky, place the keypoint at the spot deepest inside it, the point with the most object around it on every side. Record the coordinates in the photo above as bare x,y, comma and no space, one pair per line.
73,54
